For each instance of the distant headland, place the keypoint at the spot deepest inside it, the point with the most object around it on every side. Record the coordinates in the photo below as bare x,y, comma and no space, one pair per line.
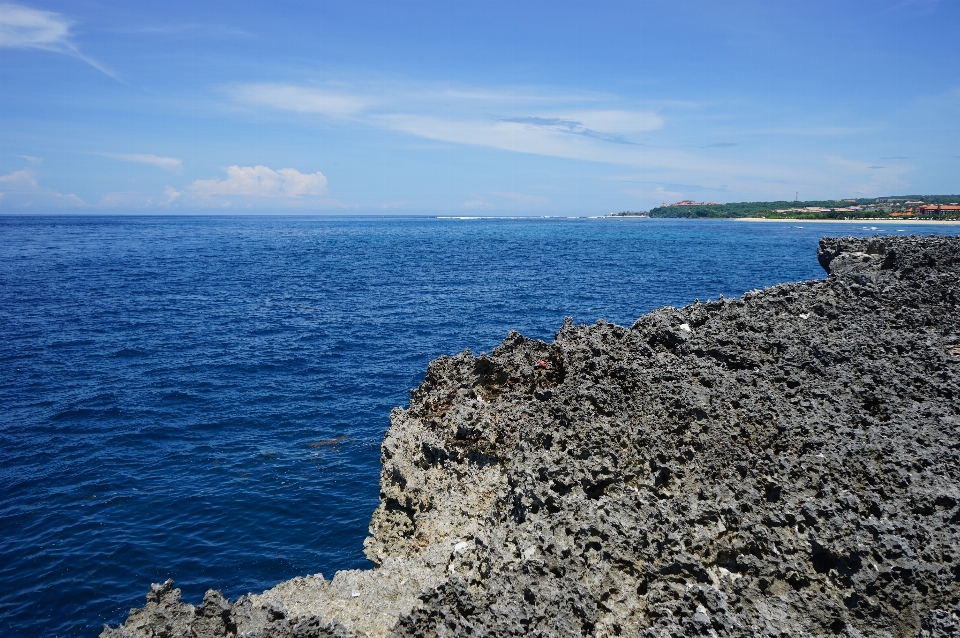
905,207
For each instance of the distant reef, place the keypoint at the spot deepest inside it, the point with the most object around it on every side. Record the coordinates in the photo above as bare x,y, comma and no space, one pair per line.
900,207
783,464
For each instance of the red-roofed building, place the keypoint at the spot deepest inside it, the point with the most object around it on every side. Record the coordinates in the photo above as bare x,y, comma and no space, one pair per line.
938,209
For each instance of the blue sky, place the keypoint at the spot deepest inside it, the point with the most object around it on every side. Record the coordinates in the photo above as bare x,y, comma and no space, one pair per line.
473,108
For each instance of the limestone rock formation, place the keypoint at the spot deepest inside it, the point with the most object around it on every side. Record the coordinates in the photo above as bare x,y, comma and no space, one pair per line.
784,464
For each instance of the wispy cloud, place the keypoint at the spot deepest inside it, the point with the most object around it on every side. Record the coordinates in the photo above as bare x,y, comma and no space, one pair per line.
817,130
187,30
520,137
463,116
524,199
27,28
923,6
299,99
611,126
617,122
171,164
477,203
31,159
577,126
140,199
515,201
590,127
660,193
865,179
261,181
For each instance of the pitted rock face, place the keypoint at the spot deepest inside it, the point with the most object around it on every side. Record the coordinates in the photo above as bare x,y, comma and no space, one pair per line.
784,464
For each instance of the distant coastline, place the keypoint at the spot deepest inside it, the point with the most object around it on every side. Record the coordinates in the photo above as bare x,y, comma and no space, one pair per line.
857,221
895,208
874,220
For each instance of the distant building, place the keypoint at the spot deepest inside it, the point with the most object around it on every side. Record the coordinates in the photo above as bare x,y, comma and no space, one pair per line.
938,209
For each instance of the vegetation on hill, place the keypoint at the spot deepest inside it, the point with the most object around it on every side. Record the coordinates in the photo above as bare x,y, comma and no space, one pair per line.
862,208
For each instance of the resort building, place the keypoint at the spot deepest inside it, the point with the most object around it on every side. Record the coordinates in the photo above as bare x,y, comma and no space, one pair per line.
940,210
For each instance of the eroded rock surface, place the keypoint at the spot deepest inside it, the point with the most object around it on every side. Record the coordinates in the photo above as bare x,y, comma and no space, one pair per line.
784,464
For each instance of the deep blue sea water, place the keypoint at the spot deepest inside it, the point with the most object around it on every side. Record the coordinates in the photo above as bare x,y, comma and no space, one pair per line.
162,378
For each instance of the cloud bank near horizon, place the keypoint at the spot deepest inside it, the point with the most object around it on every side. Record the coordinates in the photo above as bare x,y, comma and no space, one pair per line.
260,182
21,189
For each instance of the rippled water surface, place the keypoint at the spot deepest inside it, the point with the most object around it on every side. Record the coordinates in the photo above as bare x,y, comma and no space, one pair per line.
162,379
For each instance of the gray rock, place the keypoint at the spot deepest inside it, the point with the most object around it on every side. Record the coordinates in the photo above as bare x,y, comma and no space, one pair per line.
784,464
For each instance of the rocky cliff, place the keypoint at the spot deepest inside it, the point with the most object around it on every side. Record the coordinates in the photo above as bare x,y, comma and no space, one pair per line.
783,464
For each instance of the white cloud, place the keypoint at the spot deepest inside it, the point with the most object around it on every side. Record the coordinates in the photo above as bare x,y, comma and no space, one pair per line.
20,189
31,159
26,28
166,163
170,195
300,99
261,181
25,179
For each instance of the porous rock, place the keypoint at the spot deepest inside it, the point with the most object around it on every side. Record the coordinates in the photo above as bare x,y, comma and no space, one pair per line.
783,464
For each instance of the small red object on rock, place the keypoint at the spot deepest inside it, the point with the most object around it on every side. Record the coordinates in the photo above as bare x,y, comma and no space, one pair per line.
543,364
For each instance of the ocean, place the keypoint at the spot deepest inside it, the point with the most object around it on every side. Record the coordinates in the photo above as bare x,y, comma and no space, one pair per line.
203,398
